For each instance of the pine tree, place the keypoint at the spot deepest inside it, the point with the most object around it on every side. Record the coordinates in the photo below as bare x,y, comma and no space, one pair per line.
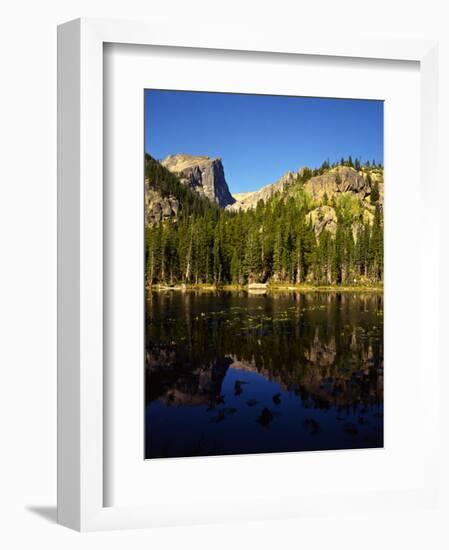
277,255
217,257
252,261
235,269
375,193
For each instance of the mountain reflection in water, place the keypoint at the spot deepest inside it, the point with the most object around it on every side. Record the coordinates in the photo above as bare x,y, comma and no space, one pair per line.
235,373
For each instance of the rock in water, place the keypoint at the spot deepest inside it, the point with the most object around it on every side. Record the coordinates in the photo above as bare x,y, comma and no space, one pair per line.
203,174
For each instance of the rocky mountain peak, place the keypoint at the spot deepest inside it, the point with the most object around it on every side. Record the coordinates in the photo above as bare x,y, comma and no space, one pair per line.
202,174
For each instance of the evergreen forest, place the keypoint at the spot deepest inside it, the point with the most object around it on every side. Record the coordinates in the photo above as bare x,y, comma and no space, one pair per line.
276,242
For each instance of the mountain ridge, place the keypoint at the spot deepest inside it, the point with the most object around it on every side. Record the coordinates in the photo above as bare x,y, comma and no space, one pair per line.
321,226
204,177
203,174
250,199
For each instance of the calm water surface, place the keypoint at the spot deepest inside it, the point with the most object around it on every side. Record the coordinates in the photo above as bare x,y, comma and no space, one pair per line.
234,373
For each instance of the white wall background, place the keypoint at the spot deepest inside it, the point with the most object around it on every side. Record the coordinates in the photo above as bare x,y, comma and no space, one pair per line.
28,266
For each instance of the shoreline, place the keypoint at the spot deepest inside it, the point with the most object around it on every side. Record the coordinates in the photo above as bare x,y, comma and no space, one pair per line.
269,288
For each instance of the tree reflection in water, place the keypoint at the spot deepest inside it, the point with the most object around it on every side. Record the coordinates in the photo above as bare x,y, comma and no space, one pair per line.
232,373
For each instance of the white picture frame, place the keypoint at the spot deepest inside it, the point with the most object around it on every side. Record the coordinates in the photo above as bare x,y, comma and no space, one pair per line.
81,403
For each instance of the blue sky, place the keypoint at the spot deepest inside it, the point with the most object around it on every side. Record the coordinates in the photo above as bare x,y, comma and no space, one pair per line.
260,137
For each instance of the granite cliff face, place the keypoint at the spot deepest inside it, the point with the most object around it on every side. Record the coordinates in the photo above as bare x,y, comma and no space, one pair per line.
322,189
159,208
323,218
341,179
249,200
205,176
321,226
202,174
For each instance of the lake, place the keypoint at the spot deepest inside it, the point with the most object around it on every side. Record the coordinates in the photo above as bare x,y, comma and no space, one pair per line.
236,373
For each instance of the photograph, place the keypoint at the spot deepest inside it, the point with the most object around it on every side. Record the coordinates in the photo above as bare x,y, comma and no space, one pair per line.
264,271
220,221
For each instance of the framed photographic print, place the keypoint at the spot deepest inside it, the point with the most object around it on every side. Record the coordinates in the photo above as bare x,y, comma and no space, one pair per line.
264,308
235,221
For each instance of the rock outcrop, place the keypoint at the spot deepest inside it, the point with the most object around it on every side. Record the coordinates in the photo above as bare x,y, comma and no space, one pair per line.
250,200
342,179
323,217
206,177
339,180
157,207
202,174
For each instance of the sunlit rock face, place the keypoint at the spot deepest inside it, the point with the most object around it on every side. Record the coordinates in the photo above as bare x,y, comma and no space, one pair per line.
342,179
202,174
335,182
206,177
250,200
157,207
323,218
